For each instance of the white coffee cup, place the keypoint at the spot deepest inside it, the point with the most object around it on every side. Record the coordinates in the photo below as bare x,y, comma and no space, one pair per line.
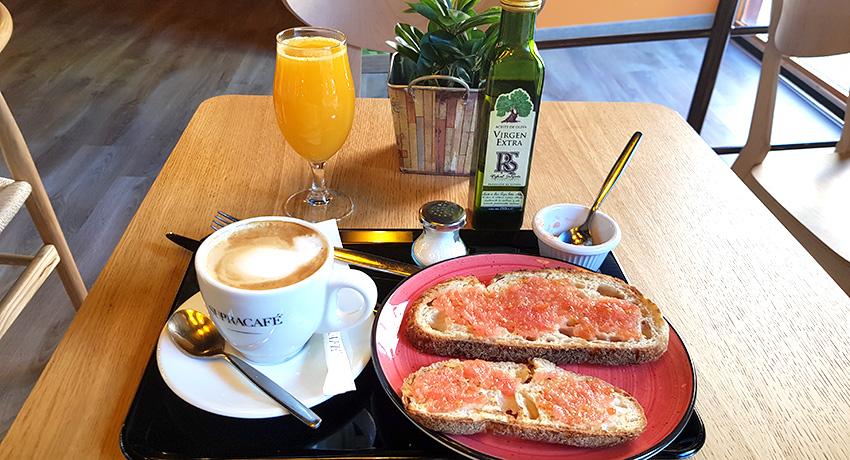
272,325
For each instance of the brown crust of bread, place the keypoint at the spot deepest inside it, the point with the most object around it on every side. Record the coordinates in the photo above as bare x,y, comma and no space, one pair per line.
576,352
540,432
466,426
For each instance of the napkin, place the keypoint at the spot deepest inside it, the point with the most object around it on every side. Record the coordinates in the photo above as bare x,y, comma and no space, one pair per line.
338,379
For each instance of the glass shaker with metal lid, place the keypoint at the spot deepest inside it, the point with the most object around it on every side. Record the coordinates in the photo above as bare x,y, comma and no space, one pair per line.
440,240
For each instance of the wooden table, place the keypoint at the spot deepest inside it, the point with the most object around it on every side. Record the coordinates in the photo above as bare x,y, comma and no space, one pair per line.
766,327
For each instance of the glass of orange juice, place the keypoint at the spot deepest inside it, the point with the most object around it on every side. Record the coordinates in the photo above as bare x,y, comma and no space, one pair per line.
314,104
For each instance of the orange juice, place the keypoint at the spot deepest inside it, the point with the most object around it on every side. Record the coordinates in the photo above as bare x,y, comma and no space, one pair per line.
313,95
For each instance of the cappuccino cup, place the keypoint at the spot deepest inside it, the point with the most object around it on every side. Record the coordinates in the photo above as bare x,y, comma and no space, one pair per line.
269,285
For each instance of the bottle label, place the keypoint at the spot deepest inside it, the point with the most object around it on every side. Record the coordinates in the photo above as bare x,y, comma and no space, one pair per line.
509,141
501,199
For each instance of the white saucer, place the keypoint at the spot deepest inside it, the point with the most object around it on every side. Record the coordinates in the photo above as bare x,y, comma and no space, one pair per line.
215,386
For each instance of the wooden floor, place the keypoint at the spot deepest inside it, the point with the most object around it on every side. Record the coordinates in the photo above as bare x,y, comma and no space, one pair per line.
102,93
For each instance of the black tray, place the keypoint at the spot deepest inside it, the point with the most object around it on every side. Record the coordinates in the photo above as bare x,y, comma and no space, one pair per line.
360,424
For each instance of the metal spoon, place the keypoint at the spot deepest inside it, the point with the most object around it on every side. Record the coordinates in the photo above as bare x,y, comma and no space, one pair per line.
196,334
580,235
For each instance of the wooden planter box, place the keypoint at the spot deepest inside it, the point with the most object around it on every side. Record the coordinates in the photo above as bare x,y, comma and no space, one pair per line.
434,126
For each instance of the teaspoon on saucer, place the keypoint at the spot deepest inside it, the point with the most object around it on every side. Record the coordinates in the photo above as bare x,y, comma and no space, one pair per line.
195,333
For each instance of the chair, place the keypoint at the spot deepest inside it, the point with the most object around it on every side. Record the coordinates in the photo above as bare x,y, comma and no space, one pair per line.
26,188
366,23
806,190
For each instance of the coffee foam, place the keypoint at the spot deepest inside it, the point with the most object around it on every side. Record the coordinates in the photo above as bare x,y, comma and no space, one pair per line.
267,255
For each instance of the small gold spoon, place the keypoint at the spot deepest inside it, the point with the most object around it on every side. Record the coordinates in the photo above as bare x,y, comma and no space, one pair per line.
580,235
196,334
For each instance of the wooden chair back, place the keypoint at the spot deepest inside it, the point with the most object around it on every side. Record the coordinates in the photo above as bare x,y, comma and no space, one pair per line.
812,27
804,191
366,23
22,168
5,26
797,28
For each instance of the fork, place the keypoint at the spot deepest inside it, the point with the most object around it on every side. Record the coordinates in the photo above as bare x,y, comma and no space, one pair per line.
221,220
350,256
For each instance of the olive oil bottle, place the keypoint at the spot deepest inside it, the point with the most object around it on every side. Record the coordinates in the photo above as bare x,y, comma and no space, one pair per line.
508,121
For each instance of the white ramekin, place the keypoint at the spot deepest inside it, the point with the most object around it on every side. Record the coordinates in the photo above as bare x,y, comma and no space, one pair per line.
552,220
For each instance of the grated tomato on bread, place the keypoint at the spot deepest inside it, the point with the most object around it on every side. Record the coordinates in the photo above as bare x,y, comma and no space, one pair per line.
562,315
538,401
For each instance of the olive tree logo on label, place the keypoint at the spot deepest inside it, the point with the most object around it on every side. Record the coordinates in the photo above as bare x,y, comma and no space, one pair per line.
515,104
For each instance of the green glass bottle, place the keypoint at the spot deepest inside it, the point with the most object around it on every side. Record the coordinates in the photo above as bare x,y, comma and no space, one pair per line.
508,121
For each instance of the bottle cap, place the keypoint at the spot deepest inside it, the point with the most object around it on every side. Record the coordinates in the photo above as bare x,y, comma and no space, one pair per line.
521,6
442,215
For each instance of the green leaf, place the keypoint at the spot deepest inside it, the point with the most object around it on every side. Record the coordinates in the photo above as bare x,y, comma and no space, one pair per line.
457,42
408,52
476,35
427,52
409,35
467,6
399,40
488,17
463,74
435,26
457,18
437,53
403,70
442,37
489,43
424,10
408,70
437,5
423,67
447,4
470,47
492,34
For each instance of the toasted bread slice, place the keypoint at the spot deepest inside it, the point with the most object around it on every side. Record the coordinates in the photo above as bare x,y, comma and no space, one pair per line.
435,331
538,401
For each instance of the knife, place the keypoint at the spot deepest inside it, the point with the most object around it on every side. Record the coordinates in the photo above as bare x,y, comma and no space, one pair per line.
189,244
349,256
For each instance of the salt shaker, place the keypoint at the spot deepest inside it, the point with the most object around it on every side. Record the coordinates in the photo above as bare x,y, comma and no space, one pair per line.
442,221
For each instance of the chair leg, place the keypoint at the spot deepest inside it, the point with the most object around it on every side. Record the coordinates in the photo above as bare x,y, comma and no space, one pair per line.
51,233
761,127
843,147
39,268
22,167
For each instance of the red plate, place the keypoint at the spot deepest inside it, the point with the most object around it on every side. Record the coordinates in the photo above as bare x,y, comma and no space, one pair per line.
665,388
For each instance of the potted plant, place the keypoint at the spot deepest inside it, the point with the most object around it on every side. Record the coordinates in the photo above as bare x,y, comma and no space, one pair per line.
435,84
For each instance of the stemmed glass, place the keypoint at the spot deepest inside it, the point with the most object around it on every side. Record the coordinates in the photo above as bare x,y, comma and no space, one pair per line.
314,104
